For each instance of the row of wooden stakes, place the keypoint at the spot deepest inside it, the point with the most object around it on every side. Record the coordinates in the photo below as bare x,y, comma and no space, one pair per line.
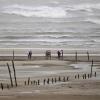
59,79
52,80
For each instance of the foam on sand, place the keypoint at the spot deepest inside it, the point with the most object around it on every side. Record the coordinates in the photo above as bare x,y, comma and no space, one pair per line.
83,66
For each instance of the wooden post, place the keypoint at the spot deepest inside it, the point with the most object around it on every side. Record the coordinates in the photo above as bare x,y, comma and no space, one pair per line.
52,80
48,81
75,76
91,67
95,74
55,80
78,76
2,86
76,56
44,81
28,80
10,75
14,72
38,82
83,76
88,75
64,80
92,62
88,55
67,78
13,55
59,79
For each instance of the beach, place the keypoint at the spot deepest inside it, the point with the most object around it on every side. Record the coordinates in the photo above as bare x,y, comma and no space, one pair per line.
70,85
31,34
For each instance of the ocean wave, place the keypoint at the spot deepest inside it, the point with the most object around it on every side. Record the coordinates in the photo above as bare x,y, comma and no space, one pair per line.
49,11
36,37
37,11
84,7
46,40
92,20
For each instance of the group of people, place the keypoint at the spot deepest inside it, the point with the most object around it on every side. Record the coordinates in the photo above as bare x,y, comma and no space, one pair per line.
48,54
60,54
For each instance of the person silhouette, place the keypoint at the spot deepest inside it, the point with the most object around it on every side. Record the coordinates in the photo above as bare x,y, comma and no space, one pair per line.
30,55
59,54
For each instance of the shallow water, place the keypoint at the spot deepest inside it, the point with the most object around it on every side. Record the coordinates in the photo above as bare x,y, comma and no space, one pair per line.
39,71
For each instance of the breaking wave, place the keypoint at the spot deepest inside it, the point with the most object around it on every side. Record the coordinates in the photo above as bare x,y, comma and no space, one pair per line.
49,11
38,11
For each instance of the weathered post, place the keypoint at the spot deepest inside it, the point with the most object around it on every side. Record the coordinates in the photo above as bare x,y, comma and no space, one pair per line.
91,67
55,80
95,74
83,76
78,76
64,79
88,75
48,81
67,78
14,72
1,86
52,80
62,54
75,76
59,79
13,55
10,75
44,81
76,56
28,80
88,55
38,82
25,82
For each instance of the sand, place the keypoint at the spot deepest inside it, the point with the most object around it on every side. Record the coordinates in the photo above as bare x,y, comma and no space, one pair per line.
39,68
52,97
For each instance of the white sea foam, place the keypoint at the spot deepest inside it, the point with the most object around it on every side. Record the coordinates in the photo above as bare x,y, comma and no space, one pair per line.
83,66
37,11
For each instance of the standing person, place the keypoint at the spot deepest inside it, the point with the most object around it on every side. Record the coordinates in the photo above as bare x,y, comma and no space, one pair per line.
59,54
30,54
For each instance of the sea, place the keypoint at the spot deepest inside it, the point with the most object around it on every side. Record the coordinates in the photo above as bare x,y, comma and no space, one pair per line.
70,24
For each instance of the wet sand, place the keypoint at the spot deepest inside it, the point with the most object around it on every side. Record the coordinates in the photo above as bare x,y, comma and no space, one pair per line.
53,97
